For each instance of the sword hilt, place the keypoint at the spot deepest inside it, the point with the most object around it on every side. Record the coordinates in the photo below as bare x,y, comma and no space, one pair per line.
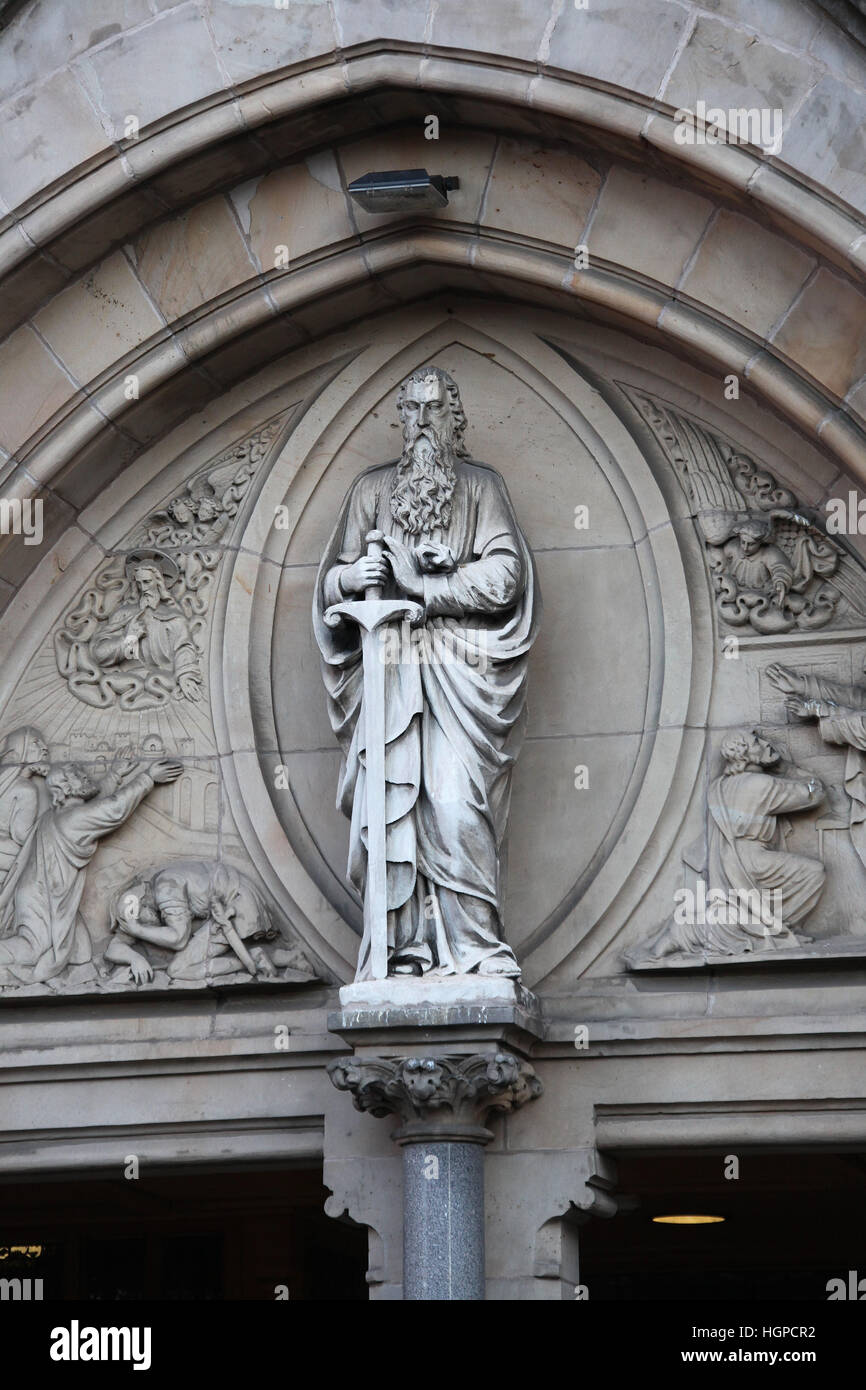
375,551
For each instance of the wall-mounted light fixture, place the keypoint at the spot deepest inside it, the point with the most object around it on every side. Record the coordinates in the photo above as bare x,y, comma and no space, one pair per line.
401,190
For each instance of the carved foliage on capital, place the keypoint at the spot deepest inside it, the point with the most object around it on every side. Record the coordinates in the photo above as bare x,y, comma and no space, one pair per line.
457,1088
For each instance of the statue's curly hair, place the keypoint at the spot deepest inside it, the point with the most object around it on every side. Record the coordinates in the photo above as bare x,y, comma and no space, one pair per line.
734,751
57,781
451,387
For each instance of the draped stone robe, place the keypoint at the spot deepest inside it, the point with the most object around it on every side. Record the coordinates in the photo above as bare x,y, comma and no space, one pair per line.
745,856
745,852
455,719
167,643
19,795
41,930
842,720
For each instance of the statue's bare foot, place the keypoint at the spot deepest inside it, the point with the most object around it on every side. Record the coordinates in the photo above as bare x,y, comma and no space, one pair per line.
406,967
498,967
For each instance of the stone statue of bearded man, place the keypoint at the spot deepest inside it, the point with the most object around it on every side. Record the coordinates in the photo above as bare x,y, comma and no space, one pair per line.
455,699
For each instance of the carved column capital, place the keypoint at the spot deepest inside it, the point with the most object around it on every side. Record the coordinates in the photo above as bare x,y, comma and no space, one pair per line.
446,1097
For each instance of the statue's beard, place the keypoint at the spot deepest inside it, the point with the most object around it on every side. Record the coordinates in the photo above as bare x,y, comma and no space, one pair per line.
424,486
148,600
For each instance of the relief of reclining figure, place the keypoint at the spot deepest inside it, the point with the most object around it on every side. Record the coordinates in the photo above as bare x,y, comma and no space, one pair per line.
210,919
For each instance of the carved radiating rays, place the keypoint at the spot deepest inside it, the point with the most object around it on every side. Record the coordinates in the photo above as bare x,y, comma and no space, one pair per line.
135,638
772,566
89,720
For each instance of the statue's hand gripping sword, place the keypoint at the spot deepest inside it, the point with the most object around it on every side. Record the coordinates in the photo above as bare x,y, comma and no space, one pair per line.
370,613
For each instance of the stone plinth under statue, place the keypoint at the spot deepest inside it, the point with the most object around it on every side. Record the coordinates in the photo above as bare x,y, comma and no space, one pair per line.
456,1001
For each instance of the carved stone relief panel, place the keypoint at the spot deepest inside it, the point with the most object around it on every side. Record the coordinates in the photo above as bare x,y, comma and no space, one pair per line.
773,567
779,866
188,652
109,767
135,639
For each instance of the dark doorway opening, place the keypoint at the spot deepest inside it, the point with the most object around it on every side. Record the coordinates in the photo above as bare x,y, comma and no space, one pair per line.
255,1234
793,1222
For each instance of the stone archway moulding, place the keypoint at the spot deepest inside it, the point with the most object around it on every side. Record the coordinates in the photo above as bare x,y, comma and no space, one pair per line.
691,328
740,172
628,116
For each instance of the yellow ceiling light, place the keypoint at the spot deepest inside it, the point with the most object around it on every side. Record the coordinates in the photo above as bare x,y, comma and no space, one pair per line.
687,1220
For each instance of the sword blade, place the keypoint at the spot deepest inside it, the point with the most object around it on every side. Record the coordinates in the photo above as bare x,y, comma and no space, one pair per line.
376,889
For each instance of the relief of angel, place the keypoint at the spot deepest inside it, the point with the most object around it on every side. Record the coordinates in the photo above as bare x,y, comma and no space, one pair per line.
770,572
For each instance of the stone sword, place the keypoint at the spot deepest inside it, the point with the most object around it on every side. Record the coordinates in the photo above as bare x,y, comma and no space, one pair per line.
371,613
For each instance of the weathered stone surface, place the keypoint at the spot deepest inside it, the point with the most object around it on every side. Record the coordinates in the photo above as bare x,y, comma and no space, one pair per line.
29,161
98,319
456,26
839,51
448,1095
776,20
62,31
35,280
112,73
726,68
611,40
18,553
559,188
583,806
470,990
819,140
591,574
642,222
185,262
750,275
357,19
724,288
300,207
35,386
824,332
256,38
377,1006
